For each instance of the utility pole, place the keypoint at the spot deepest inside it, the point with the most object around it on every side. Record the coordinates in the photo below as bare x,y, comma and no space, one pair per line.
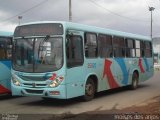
70,11
151,9
19,20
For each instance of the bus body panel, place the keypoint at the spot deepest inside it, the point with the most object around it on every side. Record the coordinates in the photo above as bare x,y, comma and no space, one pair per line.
114,75
38,88
43,92
5,72
5,64
75,84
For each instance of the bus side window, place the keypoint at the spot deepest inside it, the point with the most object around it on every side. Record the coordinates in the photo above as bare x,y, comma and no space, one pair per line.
5,48
105,46
2,50
148,49
130,48
9,48
91,50
137,47
74,51
2,54
142,48
118,46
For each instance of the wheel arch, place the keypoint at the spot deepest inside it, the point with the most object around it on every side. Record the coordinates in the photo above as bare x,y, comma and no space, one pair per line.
131,74
94,77
137,72
135,80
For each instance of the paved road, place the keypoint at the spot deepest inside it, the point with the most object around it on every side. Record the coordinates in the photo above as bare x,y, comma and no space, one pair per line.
120,98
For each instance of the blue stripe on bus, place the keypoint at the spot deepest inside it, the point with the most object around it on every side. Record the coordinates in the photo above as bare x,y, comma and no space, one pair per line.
124,70
7,63
146,63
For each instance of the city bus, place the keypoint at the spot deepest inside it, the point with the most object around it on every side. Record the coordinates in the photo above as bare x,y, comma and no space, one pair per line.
5,62
156,57
156,53
65,60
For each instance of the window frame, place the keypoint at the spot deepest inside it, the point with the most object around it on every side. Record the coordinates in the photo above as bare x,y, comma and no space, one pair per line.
6,48
82,52
130,48
86,46
136,48
109,46
150,49
123,48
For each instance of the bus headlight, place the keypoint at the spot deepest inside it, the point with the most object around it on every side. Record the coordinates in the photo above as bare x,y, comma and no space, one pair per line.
15,81
56,82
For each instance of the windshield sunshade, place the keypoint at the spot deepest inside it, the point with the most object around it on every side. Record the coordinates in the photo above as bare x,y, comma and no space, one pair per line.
39,30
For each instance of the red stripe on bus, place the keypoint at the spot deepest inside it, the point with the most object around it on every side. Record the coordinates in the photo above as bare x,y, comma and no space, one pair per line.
4,90
53,76
107,72
141,66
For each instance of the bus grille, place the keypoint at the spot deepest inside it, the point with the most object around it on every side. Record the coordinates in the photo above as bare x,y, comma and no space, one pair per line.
33,78
36,85
34,91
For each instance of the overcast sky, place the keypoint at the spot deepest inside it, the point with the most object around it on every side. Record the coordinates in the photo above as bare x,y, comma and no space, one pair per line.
123,15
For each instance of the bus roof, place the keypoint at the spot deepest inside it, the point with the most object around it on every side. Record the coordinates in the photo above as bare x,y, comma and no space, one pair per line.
5,33
87,28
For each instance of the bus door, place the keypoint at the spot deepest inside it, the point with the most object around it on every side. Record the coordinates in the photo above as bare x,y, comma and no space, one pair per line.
74,61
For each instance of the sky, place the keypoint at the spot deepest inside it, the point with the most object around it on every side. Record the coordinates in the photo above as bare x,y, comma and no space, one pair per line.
123,15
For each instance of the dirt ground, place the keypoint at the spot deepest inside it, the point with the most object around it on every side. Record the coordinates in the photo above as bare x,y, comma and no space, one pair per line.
148,110
151,106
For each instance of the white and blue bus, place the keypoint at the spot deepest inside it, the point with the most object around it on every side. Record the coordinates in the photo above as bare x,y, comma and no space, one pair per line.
5,61
65,60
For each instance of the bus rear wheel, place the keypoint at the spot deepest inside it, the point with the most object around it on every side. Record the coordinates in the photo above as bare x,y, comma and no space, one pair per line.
90,89
134,84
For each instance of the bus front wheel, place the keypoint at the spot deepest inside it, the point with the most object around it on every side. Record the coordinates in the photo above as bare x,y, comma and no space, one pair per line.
90,89
134,84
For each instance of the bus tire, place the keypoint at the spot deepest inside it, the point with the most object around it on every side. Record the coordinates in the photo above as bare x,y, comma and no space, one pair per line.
134,84
90,89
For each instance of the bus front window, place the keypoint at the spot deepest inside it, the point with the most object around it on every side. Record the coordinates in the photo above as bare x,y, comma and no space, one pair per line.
38,54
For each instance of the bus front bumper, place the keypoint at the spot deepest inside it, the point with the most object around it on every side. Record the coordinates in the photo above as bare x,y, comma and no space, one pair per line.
57,92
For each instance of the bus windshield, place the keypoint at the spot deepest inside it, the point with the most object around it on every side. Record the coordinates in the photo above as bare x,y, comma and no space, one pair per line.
38,54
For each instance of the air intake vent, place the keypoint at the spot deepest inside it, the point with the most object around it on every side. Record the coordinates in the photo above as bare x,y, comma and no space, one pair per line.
33,78
34,91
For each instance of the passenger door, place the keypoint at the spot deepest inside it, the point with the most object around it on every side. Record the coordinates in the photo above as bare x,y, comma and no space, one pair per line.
74,61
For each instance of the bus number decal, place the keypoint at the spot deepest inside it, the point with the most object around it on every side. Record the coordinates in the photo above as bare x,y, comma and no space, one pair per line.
91,65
